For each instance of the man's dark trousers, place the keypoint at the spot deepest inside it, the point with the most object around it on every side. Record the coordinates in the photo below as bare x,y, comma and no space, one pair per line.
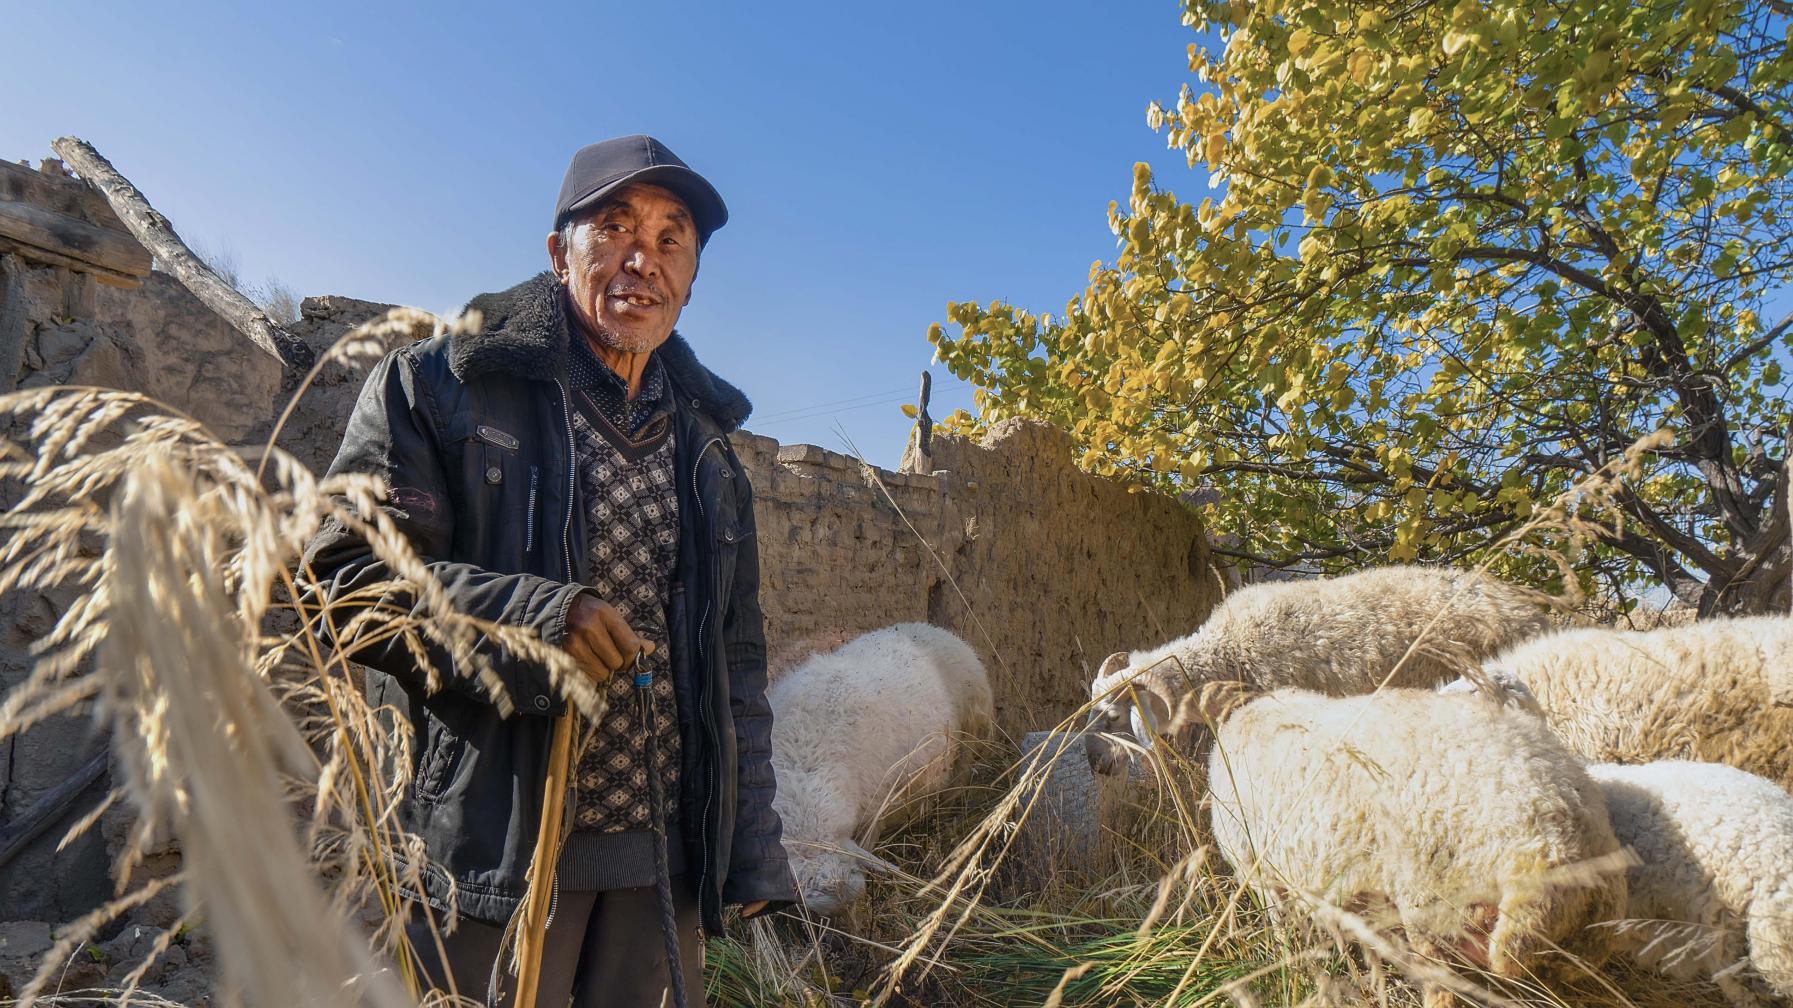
603,949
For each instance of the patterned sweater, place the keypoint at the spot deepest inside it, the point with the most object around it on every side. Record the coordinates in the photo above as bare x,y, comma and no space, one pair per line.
625,452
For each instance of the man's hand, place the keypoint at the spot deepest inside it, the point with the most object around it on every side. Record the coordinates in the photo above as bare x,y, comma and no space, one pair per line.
600,640
753,909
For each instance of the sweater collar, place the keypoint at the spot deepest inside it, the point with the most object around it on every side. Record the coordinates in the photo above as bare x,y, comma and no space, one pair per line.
524,332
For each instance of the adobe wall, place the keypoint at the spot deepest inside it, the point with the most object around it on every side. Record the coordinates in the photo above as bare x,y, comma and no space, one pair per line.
1042,568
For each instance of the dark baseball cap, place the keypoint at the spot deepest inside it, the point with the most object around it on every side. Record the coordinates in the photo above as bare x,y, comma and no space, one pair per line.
600,169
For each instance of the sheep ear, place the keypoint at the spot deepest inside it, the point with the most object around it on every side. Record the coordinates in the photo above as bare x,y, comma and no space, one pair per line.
1212,704
871,859
1110,665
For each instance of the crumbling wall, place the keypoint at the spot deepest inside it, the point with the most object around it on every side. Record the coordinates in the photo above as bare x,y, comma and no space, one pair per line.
1043,568
66,321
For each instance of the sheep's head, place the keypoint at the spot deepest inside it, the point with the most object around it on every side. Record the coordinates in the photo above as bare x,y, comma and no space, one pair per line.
1496,684
1107,717
1122,711
831,879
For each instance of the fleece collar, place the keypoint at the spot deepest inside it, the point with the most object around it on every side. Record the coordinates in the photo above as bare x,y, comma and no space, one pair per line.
524,332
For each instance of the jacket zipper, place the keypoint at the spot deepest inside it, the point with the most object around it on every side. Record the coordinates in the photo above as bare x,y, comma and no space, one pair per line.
566,531
566,553
535,473
709,721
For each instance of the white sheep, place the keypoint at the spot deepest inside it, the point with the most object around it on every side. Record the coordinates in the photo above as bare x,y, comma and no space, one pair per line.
1340,636
1712,891
1482,836
1700,691
1716,851
860,735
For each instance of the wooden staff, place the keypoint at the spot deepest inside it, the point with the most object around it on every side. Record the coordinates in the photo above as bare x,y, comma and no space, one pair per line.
538,899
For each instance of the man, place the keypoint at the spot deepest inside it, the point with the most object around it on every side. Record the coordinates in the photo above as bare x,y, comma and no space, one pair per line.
566,468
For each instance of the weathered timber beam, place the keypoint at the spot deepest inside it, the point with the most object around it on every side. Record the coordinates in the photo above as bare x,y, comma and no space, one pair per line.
45,257
53,190
157,235
35,227
48,810
12,320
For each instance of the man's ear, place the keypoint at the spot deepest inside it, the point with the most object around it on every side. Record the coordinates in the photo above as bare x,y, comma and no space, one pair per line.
557,256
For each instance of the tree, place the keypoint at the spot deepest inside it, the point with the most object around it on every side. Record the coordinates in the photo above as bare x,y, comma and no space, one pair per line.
1455,257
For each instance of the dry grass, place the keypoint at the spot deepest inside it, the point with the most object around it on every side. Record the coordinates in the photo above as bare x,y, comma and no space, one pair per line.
241,733
235,727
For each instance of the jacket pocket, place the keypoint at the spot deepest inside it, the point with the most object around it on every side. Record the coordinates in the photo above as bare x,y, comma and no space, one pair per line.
729,538
435,771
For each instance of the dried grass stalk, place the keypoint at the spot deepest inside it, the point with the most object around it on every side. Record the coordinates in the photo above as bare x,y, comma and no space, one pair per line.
193,635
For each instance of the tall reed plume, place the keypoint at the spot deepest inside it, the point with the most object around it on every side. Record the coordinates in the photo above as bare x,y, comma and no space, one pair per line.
192,637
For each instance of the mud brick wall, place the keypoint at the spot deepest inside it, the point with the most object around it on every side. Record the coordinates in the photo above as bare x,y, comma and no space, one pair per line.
1044,569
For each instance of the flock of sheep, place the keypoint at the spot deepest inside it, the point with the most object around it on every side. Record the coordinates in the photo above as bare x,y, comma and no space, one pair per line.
1412,745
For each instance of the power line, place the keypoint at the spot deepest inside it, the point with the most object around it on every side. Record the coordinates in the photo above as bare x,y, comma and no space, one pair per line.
893,400
837,402
827,409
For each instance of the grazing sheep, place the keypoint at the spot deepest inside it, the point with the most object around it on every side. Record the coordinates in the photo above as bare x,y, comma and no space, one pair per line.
1692,692
1712,891
859,736
1472,824
1339,636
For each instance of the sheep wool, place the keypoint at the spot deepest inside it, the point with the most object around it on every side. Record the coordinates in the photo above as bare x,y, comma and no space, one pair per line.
1716,856
1698,692
1339,636
860,736
1470,823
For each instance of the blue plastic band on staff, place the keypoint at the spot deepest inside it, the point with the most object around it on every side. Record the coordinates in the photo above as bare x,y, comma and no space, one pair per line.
643,676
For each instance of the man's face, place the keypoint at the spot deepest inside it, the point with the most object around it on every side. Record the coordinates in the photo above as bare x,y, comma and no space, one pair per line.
628,266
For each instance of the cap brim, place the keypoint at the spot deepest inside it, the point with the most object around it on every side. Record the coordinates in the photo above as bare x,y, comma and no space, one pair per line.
708,212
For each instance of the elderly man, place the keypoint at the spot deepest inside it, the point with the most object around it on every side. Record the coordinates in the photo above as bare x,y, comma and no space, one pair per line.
566,468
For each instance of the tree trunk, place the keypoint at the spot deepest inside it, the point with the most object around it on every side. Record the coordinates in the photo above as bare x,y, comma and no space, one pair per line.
157,235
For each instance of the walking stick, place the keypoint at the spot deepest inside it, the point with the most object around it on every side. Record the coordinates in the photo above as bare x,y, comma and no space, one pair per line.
539,897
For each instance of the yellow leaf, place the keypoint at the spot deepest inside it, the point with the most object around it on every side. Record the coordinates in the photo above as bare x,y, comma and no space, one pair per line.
910,411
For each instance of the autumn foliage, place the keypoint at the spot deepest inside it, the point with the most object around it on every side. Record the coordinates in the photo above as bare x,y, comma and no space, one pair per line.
1436,262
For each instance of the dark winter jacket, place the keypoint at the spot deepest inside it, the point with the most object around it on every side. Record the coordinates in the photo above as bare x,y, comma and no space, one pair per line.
472,433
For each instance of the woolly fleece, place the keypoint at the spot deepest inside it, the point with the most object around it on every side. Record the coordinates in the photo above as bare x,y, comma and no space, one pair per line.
1716,846
859,736
1692,692
1340,636
1470,821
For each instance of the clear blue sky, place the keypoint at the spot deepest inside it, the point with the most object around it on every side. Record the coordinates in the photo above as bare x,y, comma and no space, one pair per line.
878,161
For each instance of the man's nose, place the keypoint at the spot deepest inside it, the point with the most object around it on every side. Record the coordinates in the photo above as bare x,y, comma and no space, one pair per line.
640,263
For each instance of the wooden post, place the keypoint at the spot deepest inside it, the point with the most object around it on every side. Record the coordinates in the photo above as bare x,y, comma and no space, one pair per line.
157,235
48,810
924,424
